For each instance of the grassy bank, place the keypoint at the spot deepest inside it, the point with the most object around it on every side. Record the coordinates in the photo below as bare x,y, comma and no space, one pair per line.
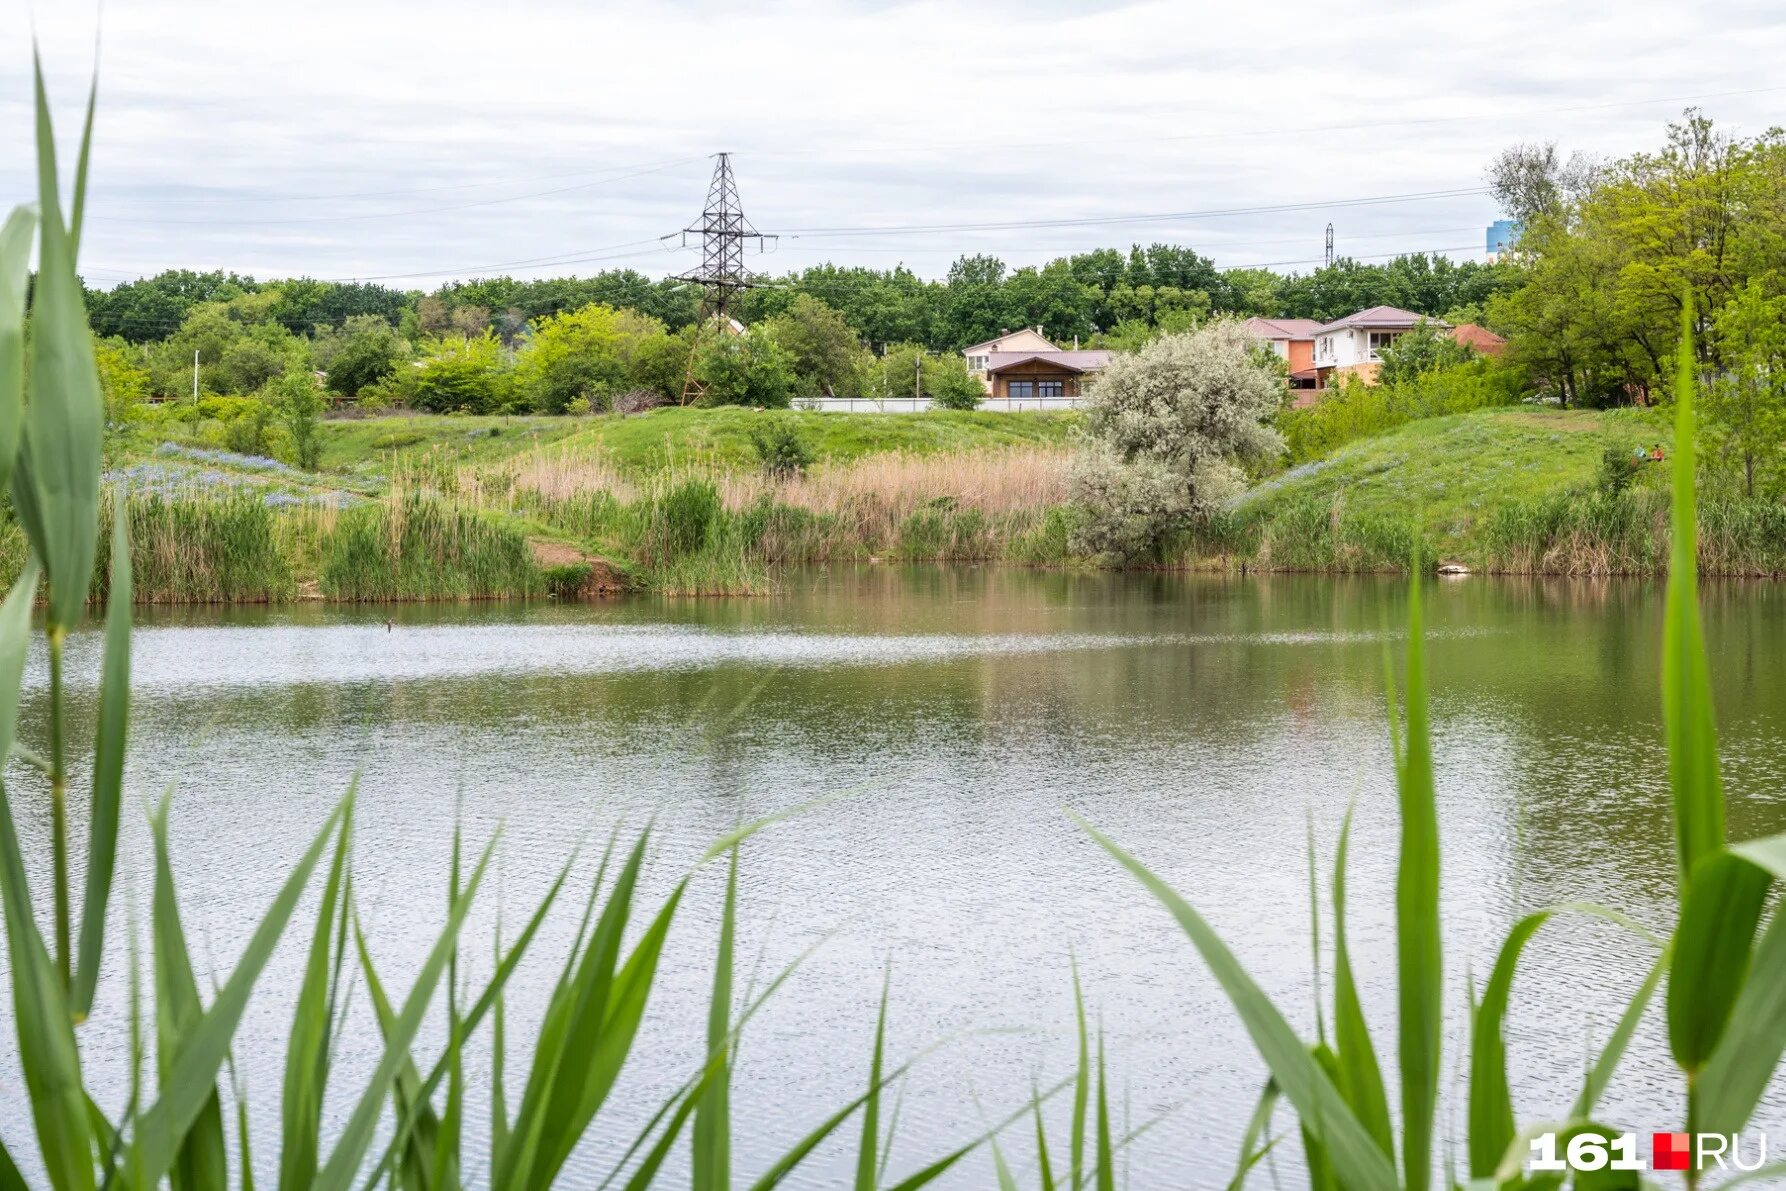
677,500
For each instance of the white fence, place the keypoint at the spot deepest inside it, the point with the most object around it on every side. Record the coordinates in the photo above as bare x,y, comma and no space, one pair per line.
912,405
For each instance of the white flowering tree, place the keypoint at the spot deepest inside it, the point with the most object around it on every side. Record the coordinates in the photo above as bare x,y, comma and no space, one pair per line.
1173,427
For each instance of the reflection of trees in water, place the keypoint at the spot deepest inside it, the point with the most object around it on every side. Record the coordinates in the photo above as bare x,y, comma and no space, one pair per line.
1555,680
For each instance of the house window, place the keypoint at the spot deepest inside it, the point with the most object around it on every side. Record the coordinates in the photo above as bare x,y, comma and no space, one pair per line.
1382,339
1050,388
1020,389
976,363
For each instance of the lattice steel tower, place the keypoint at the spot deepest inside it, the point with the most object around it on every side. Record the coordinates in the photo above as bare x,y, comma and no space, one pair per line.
724,232
1329,253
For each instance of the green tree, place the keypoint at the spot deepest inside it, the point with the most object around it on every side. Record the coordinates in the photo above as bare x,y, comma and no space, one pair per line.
586,353
364,350
122,381
298,404
1426,348
907,370
747,369
1745,413
471,375
1172,426
826,355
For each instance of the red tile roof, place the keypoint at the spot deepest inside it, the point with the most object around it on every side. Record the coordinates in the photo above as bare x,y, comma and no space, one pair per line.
1480,338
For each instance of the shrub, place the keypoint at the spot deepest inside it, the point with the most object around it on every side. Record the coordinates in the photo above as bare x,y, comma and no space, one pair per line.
780,448
747,369
679,520
1618,467
567,580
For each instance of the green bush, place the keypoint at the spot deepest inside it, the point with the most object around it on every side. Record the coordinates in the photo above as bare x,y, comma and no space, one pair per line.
678,521
1354,409
567,580
781,449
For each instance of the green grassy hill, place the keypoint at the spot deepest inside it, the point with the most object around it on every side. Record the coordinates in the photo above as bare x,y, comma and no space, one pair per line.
1445,474
646,442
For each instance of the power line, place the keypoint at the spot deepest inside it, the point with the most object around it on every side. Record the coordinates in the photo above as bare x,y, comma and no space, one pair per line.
491,202
359,194
1115,220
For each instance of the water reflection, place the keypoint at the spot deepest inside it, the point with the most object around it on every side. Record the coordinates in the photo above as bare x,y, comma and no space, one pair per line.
956,713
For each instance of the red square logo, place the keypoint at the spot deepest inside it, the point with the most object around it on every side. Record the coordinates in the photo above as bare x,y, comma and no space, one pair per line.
1671,1151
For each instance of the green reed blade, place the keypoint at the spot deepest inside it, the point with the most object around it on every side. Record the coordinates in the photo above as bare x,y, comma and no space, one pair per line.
1711,953
199,1162
499,1111
108,771
418,1127
646,1174
1360,1075
1256,1143
1491,1121
15,639
941,1166
15,264
1315,1159
1081,1085
1044,1170
575,1011
1687,712
1314,917
1002,1169
866,1164
713,1128
191,1084
1419,963
56,483
1106,1156
1600,1074
350,1147
47,1052
1743,1062
593,1022
10,1178
1356,1155
77,208
308,1045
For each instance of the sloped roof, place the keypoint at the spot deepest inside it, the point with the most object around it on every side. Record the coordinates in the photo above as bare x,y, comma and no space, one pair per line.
1079,361
1381,316
1282,328
1480,338
979,347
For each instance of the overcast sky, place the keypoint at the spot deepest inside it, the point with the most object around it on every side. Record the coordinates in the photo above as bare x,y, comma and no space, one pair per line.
414,143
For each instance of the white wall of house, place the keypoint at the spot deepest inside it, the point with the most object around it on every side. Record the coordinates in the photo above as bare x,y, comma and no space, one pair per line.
1351,346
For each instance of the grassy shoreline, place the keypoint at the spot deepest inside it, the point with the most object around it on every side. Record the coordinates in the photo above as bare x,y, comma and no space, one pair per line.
446,508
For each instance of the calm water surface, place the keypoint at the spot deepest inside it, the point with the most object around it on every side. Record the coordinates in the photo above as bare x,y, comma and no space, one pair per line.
955,717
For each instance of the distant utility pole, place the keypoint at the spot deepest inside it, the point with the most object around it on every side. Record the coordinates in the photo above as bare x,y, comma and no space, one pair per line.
1328,256
724,232
195,375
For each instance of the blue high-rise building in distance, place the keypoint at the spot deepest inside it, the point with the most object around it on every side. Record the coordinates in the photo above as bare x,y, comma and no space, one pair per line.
1502,235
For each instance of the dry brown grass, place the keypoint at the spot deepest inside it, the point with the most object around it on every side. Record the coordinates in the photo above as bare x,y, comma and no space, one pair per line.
998,483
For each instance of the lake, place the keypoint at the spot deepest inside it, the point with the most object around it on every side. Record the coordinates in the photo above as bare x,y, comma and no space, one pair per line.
946,721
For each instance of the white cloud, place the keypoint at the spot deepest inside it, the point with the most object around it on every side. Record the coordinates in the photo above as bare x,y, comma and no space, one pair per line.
229,132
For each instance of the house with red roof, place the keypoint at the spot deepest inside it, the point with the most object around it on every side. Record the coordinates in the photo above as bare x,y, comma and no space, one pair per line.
1023,365
1293,339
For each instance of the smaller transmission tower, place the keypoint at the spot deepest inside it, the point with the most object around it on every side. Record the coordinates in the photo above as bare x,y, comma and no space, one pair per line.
1328,256
724,233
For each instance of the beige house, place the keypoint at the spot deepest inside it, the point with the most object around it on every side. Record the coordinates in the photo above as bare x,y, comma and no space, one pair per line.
1024,365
